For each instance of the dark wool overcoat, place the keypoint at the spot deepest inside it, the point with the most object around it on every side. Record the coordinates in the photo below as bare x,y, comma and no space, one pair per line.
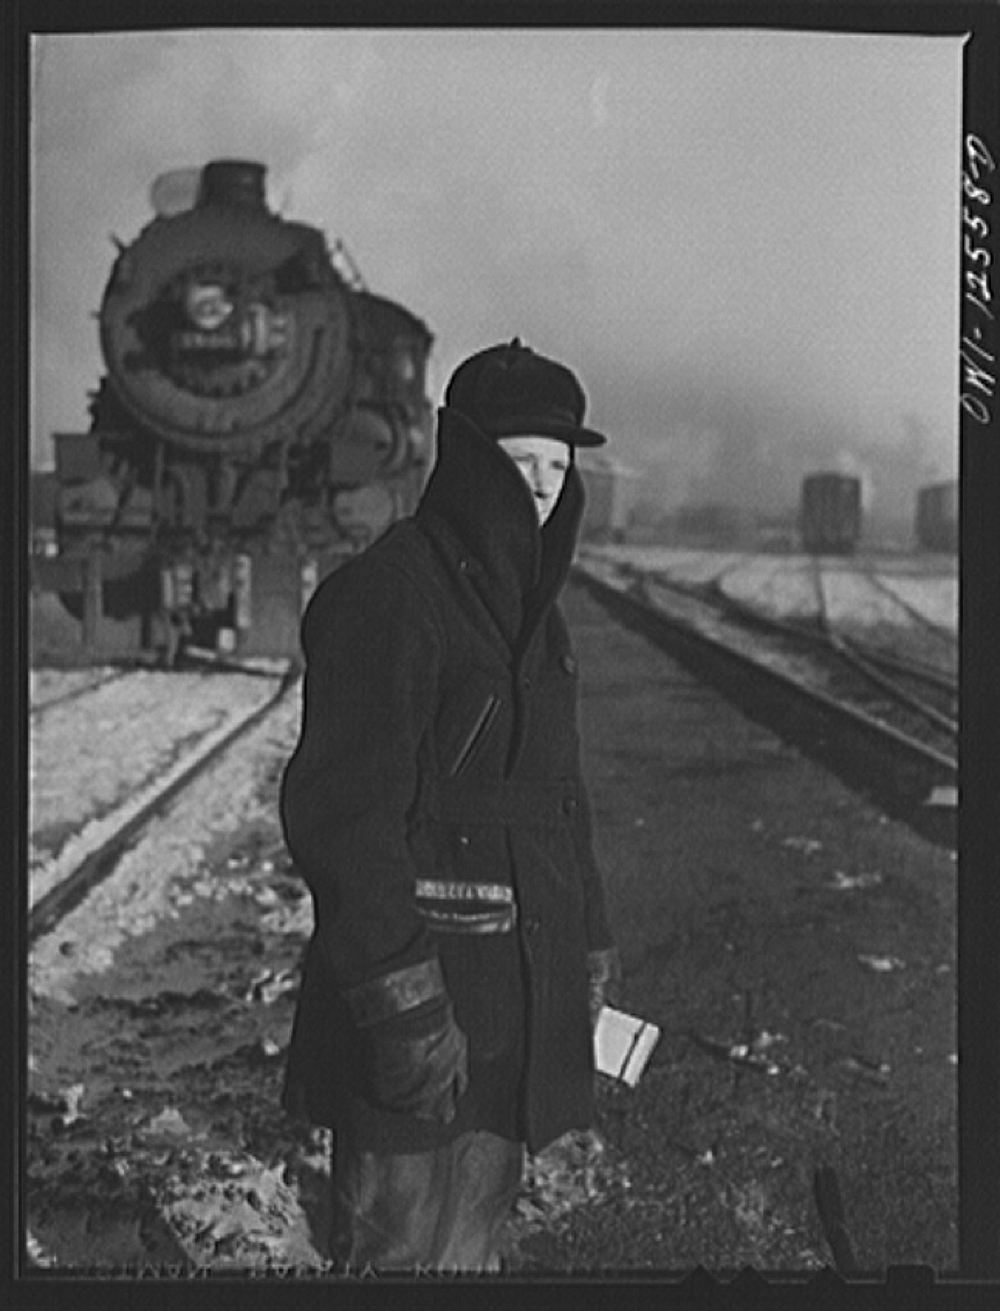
439,751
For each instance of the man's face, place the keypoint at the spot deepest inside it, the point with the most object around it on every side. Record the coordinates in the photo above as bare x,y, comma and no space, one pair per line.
543,462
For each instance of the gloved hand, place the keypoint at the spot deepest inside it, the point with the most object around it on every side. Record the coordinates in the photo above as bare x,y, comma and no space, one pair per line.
604,971
416,1057
418,1064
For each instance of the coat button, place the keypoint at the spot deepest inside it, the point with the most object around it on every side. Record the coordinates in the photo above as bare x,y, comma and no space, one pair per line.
568,664
464,839
569,806
526,682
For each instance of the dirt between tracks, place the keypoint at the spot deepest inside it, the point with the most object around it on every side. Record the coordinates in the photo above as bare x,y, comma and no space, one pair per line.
796,949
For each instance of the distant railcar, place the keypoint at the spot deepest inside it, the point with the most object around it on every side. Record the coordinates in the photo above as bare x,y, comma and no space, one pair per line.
609,487
937,517
830,513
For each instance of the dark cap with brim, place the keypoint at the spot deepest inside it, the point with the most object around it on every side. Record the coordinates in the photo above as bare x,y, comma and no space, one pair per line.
510,391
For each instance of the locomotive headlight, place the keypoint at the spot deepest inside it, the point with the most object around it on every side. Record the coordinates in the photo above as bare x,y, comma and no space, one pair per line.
404,365
207,305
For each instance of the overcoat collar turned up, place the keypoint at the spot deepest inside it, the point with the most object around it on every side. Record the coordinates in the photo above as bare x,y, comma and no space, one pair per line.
477,502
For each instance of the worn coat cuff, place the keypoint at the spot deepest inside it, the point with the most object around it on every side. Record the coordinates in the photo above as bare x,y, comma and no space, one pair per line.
393,994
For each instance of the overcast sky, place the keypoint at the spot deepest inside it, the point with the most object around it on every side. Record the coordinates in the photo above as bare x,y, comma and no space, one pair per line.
744,241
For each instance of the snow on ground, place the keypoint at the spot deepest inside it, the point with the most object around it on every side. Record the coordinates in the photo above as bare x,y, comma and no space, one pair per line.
780,587
686,566
102,753
884,613
46,685
736,637
851,599
170,866
935,598
783,584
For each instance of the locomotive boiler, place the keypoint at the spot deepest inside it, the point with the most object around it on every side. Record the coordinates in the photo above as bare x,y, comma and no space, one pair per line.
830,513
263,417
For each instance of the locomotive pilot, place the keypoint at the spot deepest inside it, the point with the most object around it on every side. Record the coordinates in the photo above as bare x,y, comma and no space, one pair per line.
435,806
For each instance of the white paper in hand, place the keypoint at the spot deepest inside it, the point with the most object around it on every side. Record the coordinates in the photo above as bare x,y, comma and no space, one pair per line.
623,1044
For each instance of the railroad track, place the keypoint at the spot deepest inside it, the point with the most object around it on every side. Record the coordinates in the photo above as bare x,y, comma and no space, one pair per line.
890,719
43,706
131,821
859,679
918,617
932,679
192,658
920,702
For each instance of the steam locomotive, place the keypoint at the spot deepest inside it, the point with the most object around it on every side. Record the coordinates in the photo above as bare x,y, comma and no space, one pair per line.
263,416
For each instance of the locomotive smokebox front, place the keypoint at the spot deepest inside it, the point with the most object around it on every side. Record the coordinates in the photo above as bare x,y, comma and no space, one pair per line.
224,327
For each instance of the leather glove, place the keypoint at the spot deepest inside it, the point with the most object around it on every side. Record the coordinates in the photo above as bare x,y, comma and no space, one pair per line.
604,972
415,1055
422,1070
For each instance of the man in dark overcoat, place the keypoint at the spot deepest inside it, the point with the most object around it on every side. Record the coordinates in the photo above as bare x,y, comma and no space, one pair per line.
435,805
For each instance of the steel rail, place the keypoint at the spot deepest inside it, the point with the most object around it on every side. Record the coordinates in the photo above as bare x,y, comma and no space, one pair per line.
909,668
945,634
827,638
43,707
857,661
56,904
864,667
636,597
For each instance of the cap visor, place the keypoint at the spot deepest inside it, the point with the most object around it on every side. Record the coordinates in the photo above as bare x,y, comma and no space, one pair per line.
544,426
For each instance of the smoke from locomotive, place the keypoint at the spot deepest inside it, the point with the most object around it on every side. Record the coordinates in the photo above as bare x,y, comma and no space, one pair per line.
263,416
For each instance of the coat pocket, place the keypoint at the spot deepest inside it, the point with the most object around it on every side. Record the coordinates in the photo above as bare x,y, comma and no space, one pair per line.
484,981
475,735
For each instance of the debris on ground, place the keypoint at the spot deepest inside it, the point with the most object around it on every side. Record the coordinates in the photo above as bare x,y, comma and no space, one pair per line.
877,1070
233,1211
268,986
169,1123
806,845
882,964
945,796
576,1170
747,1054
850,882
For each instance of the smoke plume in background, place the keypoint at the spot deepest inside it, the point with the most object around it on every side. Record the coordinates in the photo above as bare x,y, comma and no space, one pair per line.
746,242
